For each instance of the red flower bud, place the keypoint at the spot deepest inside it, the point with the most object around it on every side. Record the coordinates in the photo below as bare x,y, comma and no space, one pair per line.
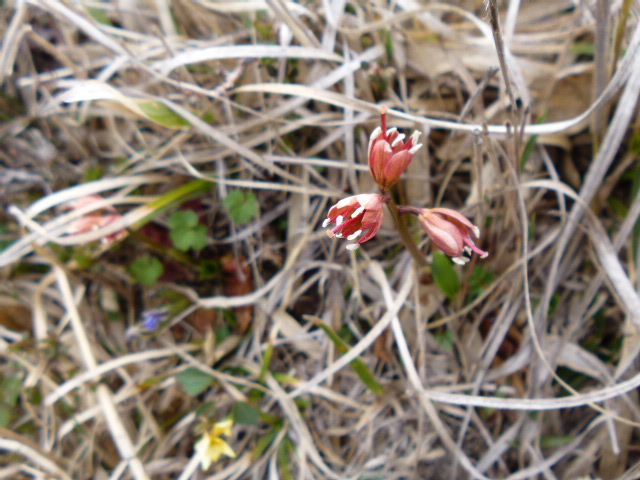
389,155
451,232
359,217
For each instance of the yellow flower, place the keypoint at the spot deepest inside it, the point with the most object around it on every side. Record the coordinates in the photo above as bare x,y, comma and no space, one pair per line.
211,447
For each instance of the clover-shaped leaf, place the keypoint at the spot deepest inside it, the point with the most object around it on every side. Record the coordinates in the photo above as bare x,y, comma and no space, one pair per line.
242,206
185,231
146,270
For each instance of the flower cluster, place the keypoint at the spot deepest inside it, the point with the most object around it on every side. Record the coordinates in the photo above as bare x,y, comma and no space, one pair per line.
359,217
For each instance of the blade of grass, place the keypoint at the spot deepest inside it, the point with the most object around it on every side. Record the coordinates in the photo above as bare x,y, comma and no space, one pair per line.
173,198
268,353
357,364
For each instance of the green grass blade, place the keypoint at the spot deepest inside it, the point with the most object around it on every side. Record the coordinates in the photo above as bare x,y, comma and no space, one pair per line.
357,364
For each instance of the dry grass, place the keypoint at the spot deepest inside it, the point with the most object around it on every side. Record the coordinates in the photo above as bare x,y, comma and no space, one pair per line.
529,370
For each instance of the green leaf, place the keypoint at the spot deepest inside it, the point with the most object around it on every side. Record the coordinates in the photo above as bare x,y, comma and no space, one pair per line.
556,441
266,361
242,206
194,381
444,274
388,42
83,261
185,231
183,219
159,113
245,414
479,280
4,229
206,410
222,333
11,390
209,269
618,206
583,48
182,239
265,442
445,338
6,414
99,16
146,270
284,458
199,237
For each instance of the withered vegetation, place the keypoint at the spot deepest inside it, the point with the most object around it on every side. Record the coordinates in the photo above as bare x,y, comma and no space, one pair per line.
123,335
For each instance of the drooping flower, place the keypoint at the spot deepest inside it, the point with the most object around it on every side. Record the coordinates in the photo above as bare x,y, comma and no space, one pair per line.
450,231
389,155
211,447
358,217
95,220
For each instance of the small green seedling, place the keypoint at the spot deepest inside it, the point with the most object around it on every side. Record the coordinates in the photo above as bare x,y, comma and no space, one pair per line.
146,270
186,232
242,206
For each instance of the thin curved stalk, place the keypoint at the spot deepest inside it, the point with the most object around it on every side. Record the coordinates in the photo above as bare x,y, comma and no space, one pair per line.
405,235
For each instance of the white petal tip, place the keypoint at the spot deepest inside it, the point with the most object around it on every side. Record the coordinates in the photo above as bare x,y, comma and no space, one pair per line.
485,255
354,235
343,203
415,149
398,139
357,212
391,131
375,134
353,246
460,260
415,136
326,222
339,220
476,230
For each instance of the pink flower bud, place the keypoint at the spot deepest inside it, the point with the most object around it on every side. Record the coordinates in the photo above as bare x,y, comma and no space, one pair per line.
95,221
451,232
358,217
389,155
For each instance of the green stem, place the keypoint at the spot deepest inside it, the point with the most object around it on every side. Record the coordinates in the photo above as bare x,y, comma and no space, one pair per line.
405,235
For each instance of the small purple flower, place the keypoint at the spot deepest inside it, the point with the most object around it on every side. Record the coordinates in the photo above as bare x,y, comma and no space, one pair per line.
152,318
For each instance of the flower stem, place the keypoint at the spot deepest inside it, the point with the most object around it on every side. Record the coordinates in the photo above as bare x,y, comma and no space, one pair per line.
405,235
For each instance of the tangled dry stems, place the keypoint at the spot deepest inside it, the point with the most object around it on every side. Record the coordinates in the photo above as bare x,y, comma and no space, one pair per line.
279,97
